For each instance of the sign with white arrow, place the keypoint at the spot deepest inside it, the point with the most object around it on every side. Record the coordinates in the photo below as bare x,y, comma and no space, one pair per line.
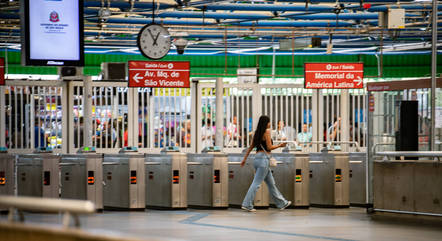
159,74
333,75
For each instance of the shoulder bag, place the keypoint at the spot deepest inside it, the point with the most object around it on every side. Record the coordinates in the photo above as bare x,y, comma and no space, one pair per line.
272,160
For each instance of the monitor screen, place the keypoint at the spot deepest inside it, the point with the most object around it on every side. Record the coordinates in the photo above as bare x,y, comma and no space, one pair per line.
53,32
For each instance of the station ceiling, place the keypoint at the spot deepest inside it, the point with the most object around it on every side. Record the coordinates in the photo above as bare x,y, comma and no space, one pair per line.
218,27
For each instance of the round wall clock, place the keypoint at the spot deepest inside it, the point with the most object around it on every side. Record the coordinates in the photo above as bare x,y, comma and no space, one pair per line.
154,41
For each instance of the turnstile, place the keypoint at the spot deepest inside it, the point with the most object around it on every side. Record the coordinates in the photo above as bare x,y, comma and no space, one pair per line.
207,183
166,180
123,180
7,173
358,179
82,177
240,179
38,175
329,179
292,177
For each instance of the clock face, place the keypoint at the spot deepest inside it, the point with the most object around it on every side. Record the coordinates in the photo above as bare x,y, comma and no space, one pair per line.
154,41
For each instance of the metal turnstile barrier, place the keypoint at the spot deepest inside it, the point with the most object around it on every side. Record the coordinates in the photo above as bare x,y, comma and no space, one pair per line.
240,179
82,177
124,180
166,179
7,173
38,175
329,182
292,177
358,179
207,180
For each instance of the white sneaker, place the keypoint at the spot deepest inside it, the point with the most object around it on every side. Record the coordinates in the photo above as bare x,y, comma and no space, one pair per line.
287,205
248,209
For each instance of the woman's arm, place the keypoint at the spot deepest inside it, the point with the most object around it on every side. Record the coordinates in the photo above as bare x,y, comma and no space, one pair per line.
243,162
268,139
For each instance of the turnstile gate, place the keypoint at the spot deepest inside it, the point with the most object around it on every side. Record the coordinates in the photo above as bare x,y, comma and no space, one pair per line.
38,175
7,174
207,180
123,180
240,179
82,177
292,177
358,179
329,179
166,180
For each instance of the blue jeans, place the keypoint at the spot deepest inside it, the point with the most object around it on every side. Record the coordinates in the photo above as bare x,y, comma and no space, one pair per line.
263,173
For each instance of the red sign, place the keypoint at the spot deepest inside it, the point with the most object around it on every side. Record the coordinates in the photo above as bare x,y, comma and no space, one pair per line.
333,75
2,71
162,74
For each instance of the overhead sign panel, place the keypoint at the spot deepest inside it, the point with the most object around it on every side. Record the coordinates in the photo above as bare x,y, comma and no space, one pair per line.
333,75
2,71
52,32
159,74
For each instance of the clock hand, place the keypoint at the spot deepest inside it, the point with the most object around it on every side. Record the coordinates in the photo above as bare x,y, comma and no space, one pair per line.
156,38
153,38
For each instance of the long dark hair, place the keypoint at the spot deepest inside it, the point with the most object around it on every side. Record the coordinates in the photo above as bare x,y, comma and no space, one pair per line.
260,130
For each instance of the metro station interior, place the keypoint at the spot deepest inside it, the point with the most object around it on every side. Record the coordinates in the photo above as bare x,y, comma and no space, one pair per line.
130,119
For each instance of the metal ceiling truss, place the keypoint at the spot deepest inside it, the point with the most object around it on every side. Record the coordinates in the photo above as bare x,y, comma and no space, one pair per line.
216,24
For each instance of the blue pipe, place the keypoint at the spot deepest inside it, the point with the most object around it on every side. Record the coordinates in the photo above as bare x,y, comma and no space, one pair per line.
264,7
407,7
214,15
294,24
248,23
126,4
346,1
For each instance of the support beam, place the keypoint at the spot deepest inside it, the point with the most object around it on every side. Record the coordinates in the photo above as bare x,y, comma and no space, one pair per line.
219,123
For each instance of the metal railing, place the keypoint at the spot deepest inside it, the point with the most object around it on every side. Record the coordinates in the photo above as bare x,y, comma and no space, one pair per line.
70,208
401,154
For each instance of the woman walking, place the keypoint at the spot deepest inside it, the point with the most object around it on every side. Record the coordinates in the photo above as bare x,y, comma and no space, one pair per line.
263,143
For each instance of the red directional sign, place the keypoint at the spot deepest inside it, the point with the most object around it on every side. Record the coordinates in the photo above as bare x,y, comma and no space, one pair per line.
161,74
2,71
334,75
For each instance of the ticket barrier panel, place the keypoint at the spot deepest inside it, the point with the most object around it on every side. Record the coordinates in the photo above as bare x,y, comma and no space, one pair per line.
292,177
166,179
358,179
82,177
329,179
207,184
7,173
123,180
240,179
38,174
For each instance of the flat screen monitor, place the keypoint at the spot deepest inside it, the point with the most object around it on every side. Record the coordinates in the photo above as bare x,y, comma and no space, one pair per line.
52,32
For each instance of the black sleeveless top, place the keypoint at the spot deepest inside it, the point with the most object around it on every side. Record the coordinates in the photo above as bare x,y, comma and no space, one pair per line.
263,144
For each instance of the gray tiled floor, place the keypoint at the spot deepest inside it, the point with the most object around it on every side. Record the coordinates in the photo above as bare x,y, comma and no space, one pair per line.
233,224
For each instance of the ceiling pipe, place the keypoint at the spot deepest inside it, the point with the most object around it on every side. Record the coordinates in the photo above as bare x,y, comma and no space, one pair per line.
248,23
217,15
265,7
345,1
406,7
126,4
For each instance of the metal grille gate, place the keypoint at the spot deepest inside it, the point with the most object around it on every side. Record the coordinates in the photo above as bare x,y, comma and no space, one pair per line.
35,115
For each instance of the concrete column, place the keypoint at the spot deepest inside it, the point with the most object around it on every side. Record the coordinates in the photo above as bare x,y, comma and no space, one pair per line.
219,115
345,119
87,110
194,132
3,117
